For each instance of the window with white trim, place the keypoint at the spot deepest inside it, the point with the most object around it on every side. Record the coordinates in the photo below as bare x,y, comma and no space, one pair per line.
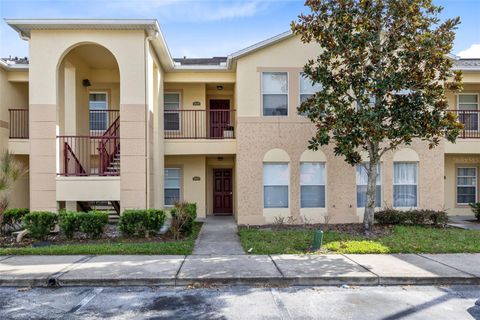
172,185
362,183
405,184
98,104
275,93
468,106
276,179
171,102
466,185
307,87
312,185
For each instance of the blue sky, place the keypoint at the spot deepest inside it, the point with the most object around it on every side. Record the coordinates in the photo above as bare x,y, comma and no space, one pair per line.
205,28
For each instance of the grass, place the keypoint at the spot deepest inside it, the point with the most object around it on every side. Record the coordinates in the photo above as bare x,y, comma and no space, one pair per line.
404,239
180,247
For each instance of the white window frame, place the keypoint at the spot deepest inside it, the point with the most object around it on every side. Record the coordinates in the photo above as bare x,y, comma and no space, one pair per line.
179,109
288,92
380,176
416,185
107,103
300,75
180,192
478,106
288,184
457,185
324,184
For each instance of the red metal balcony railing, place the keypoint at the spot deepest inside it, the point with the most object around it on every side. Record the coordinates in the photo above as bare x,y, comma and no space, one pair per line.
471,123
199,124
18,123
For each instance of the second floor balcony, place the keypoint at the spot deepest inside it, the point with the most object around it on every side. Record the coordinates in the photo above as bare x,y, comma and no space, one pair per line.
471,123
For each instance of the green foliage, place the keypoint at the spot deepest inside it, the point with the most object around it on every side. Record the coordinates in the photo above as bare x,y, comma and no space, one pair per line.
404,239
476,209
415,217
39,223
69,222
183,218
12,218
141,222
93,223
382,72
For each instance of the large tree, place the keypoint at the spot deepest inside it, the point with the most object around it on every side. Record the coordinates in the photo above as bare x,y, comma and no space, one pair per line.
383,66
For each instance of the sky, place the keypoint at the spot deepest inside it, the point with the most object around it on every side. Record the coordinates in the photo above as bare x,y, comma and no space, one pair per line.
206,28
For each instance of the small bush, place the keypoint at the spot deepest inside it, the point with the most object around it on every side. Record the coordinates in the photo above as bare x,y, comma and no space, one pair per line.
141,222
476,209
39,223
93,223
412,217
183,218
69,222
12,218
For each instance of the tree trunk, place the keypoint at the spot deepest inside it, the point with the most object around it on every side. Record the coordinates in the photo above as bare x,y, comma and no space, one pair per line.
371,191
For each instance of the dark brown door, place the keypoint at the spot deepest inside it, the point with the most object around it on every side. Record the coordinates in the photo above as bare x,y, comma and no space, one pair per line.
222,192
219,117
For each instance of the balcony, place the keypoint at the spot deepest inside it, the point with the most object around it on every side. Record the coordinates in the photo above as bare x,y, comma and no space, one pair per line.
470,121
199,124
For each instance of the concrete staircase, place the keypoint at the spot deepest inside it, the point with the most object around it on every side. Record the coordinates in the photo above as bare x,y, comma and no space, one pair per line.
103,206
114,166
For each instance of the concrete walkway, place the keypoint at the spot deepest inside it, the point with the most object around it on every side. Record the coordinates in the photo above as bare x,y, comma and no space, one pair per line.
464,222
219,236
284,270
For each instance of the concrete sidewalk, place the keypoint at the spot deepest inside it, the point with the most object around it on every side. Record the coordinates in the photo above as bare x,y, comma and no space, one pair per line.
334,269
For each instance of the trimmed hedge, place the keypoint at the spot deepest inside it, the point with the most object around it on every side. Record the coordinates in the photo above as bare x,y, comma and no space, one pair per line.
412,217
12,218
39,223
91,223
183,218
141,222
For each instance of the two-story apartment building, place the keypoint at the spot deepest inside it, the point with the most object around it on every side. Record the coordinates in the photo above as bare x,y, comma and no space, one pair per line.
103,116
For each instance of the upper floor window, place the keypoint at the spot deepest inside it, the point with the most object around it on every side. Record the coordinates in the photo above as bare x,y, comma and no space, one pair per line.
405,184
171,102
468,105
275,93
312,185
307,87
275,185
362,182
466,185
98,104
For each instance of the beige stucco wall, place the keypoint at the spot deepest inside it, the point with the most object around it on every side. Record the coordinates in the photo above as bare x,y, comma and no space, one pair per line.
19,195
191,191
256,135
47,48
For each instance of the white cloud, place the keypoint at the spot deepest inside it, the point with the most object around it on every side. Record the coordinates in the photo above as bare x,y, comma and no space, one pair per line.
472,52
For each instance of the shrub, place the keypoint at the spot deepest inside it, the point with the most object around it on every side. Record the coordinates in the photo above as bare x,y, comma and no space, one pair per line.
93,223
476,209
40,223
69,222
12,218
415,217
183,218
141,222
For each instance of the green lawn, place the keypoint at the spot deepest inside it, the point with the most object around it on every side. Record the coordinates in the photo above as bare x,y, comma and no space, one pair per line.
404,239
182,247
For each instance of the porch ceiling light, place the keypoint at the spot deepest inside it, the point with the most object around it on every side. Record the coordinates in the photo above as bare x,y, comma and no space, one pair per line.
86,83
219,87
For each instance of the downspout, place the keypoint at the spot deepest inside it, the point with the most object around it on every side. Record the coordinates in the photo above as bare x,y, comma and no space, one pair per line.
145,48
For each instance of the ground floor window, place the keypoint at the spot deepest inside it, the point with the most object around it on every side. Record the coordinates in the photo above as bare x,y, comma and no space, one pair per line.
405,184
466,185
312,185
172,185
275,185
362,182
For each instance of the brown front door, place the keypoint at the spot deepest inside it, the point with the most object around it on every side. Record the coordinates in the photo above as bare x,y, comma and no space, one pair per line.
219,117
222,192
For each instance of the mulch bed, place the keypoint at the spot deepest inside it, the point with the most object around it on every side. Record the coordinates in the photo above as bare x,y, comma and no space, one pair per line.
355,229
111,235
